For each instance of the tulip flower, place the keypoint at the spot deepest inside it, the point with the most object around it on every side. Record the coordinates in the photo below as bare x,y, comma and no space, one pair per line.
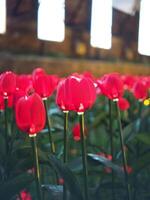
76,93
45,85
17,95
140,89
62,99
7,88
128,81
7,83
37,72
76,132
123,104
30,114
111,86
30,118
24,82
25,195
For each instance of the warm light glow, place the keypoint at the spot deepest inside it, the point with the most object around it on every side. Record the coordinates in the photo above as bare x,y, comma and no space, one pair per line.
2,16
51,14
101,23
144,28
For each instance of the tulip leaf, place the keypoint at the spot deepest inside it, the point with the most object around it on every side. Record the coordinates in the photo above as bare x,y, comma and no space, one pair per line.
104,161
69,178
141,163
13,186
53,192
143,137
76,164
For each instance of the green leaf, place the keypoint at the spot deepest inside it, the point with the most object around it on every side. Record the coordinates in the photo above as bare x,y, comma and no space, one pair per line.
107,163
143,137
69,178
141,163
15,185
53,191
76,164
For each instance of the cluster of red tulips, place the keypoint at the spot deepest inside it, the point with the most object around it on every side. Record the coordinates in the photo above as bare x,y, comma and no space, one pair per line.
76,93
28,94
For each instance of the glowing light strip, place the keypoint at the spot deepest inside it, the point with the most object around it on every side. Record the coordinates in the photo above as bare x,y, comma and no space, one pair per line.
2,16
51,15
144,28
101,23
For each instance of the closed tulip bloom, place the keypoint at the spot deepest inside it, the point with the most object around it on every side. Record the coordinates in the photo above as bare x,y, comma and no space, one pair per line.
17,95
81,91
123,104
37,72
140,89
62,99
25,195
24,82
7,83
128,81
30,114
44,85
111,86
78,93
76,132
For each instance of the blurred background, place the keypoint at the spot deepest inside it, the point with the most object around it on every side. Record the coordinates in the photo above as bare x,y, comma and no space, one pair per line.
22,51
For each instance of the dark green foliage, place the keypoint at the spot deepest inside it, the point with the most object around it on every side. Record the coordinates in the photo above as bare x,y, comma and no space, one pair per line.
16,166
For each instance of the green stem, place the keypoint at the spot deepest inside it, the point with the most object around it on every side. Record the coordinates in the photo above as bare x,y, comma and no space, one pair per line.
65,149
52,145
37,167
84,157
65,136
6,125
112,146
124,159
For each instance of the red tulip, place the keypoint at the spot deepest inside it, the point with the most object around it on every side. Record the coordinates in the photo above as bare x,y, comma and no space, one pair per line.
44,84
129,169
128,81
140,89
25,195
111,86
24,82
76,132
7,83
123,104
30,114
62,99
76,93
37,72
17,95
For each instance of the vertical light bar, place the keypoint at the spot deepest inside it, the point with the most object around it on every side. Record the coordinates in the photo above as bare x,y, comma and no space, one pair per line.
2,16
51,15
101,24
144,28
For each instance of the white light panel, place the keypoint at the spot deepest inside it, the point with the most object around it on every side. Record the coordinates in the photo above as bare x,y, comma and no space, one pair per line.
101,24
51,15
144,28
2,16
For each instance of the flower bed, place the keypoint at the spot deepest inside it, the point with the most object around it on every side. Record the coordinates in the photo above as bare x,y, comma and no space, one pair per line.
76,137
